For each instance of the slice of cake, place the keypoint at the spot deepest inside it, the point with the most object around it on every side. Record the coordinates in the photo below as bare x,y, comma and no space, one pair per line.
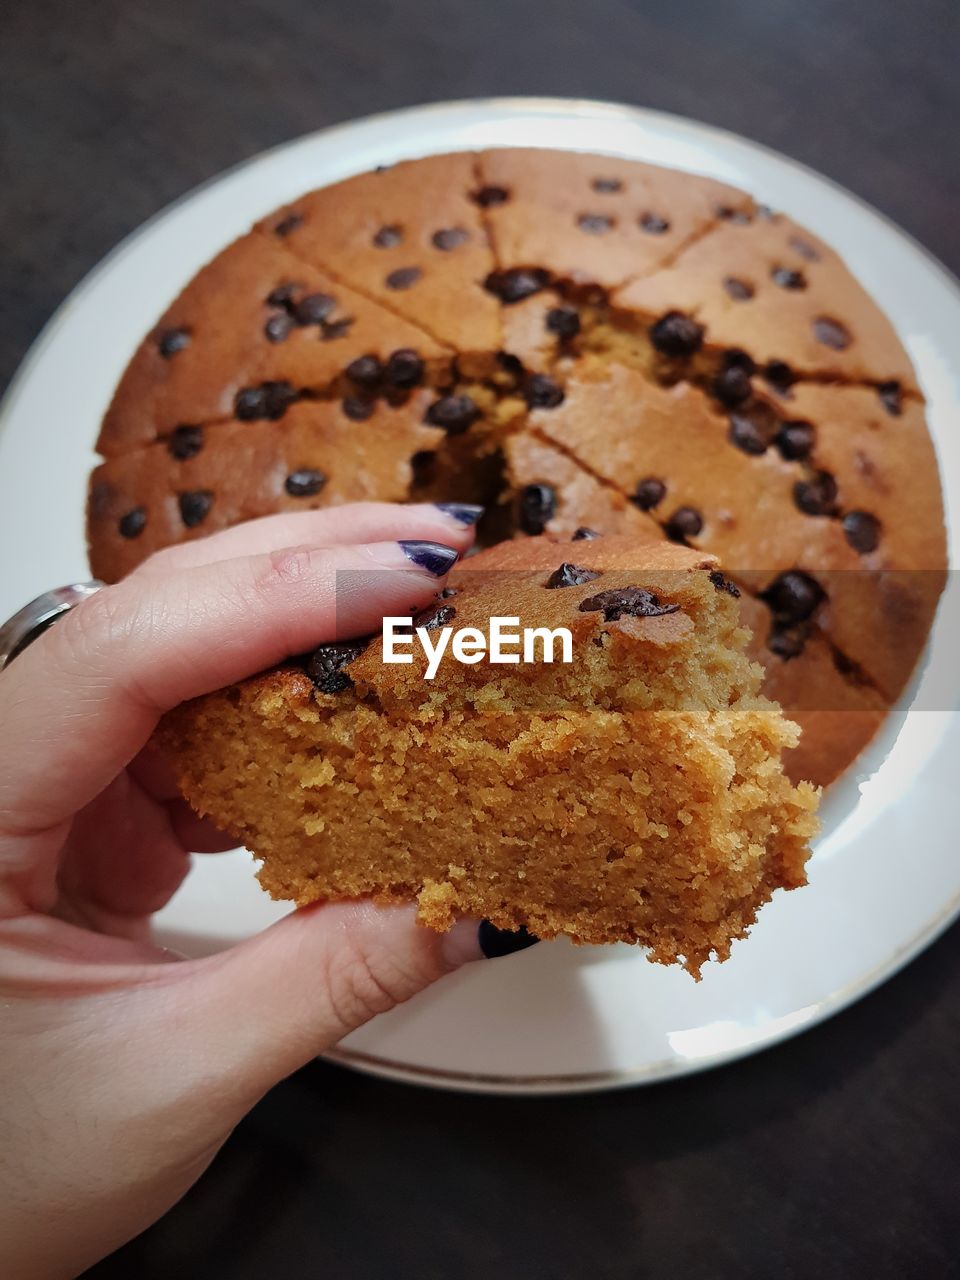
553,494
632,794
256,330
202,479
762,284
411,236
589,219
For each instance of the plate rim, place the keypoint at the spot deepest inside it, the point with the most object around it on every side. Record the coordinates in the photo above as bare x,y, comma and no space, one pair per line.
534,107
657,1072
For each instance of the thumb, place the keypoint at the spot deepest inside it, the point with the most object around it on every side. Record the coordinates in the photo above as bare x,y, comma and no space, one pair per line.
254,1014
154,1073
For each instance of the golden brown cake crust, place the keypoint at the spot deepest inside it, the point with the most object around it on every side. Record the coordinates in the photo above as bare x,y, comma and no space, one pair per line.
411,236
207,478
571,333
770,287
245,321
593,219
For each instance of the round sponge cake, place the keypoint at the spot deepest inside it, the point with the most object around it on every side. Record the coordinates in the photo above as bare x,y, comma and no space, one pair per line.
572,340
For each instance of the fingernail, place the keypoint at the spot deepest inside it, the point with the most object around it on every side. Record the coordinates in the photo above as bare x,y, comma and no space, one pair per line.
463,512
432,556
496,942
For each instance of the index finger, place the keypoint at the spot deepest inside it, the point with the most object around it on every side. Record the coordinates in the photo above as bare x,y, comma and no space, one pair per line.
451,523
81,701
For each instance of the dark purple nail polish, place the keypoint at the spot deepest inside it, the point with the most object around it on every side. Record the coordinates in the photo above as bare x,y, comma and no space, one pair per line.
464,512
496,942
432,556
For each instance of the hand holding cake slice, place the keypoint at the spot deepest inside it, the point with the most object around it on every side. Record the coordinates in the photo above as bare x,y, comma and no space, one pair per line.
633,794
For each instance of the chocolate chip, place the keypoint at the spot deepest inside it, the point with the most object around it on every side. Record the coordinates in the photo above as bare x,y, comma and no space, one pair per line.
365,371
388,237
818,495
607,186
728,214
734,358
423,466
357,408
796,440
538,505
563,321
676,334
404,368
250,403
780,376
583,534
595,224
850,670
635,602
787,642
541,392
686,522
447,593
332,329
862,531
304,483
185,442
195,506
732,385
489,196
432,619
832,333
739,290
279,396
653,224
133,523
450,238
724,584
786,278
891,397
278,326
510,364
314,308
403,277
283,295
170,341
754,429
804,248
455,414
792,597
288,224
570,575
516,284
325,666
649,493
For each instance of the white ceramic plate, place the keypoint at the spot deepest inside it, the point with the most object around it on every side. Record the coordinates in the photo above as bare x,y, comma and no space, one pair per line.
884,878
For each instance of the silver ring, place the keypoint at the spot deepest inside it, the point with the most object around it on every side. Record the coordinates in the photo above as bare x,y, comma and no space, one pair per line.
34,618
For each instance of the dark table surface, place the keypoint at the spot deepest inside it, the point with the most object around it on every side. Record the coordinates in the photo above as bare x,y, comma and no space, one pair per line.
834,1155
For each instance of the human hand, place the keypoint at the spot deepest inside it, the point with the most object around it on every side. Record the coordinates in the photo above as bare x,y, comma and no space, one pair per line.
122,1067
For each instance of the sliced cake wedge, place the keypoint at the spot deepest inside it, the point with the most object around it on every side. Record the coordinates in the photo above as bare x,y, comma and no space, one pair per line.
633,794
